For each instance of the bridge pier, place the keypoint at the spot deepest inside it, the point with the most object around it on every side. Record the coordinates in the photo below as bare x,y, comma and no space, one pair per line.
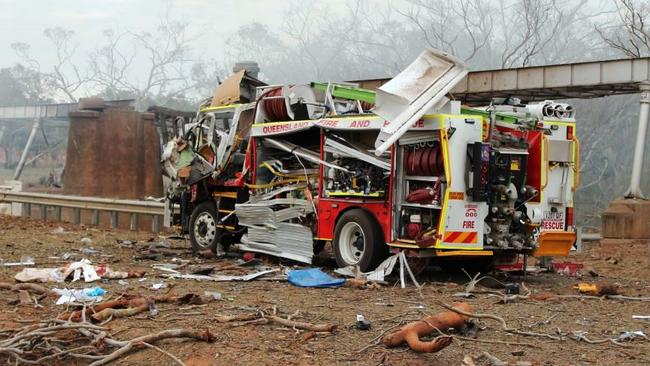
629,218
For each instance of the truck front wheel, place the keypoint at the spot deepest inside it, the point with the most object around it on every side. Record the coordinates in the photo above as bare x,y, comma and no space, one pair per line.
204,233
359,241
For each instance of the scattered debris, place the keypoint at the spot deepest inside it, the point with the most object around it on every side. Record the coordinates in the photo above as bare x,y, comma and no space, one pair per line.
641,317
383,270
168,267
221,278
89,250
85,295
412,332
215,295
125,243
568,268
363,323
313,277
86,241
512,289
27,261
379,274
486,359
158,286
75,270
597,289
593,273
58,230
631,335
363,284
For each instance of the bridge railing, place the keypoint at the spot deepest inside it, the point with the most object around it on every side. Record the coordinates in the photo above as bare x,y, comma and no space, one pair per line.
134,208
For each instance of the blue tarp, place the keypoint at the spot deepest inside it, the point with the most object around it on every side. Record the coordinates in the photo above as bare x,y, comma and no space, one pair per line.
313,277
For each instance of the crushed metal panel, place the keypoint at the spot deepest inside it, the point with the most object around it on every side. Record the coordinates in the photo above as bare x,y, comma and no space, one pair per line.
268,232
288,240
421,87
228,92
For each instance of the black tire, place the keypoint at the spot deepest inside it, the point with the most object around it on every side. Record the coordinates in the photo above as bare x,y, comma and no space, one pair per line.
370,245
204,233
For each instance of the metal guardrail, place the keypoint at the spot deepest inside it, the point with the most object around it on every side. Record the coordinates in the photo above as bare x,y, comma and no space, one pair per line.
94,204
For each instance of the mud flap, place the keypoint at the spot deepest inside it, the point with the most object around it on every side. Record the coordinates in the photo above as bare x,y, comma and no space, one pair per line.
555,244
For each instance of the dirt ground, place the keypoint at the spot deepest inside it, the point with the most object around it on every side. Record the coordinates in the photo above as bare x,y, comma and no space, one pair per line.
623,264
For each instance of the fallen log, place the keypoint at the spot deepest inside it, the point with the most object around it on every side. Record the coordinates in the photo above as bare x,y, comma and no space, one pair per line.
411,332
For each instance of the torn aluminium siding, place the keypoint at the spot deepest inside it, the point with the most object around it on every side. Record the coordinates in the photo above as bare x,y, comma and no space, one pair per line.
268,232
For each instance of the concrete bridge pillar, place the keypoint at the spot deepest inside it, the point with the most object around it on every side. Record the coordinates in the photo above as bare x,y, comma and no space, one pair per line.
629,218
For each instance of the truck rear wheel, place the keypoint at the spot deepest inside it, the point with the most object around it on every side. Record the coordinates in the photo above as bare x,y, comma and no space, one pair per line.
358,240
204,233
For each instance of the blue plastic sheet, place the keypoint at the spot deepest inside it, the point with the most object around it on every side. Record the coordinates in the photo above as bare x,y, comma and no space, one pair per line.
313,277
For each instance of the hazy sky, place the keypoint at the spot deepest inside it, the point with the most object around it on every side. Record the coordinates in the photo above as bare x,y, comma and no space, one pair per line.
211,20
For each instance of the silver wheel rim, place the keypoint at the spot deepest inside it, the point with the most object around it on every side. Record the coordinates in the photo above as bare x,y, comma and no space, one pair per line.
352,243
205,229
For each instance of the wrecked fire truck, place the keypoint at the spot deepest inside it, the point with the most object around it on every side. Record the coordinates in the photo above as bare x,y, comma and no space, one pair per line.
287,169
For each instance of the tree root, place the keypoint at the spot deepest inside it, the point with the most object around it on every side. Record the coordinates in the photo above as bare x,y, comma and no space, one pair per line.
411,333
328,328
128,307
265,317
58,341
31,287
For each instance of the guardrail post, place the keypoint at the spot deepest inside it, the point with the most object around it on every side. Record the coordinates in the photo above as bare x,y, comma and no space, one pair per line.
167,214
57,213
43,211
95,219
155,223
27,210
134,222
113,219
77,215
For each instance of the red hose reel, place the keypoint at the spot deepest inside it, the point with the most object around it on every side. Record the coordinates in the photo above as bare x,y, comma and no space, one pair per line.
424,161
275,108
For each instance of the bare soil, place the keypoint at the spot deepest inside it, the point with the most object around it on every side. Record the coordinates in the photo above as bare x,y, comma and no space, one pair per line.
624,264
